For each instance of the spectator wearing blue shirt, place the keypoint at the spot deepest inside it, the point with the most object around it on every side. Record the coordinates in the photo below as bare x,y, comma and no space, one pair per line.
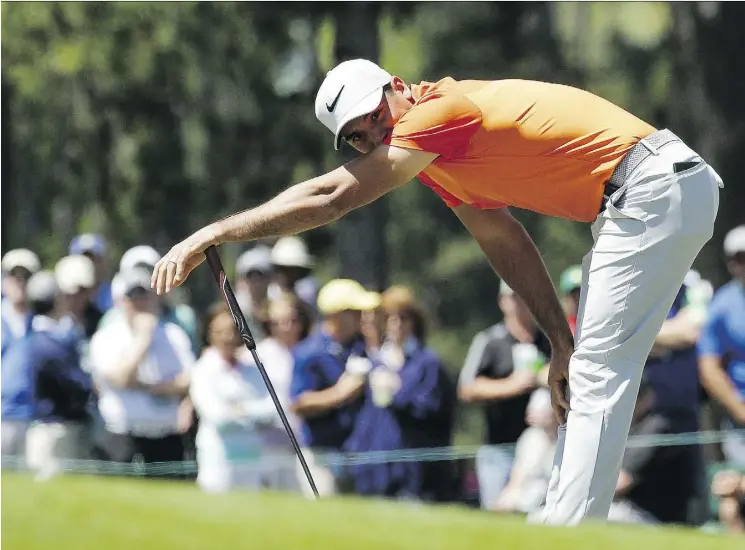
721,348
325,395
43,386
408,404
18,266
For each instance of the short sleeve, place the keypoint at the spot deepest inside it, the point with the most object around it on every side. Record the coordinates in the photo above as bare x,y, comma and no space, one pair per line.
451,200
441,124
710,341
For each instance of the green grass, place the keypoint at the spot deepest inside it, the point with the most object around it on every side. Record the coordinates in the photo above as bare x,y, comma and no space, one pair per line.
88,513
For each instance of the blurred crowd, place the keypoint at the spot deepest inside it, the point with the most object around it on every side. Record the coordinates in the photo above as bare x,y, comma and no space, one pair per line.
104,369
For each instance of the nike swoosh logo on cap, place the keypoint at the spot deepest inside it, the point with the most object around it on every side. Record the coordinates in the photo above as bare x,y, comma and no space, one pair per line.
336,100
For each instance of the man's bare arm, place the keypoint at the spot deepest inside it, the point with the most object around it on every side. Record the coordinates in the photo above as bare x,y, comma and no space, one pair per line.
326,198
486,389
303,206
515,258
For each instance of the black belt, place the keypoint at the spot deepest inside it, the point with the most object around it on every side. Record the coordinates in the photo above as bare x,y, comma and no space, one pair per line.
638,154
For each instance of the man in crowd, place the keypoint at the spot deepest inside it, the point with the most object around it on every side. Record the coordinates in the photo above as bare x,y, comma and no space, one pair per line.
500,373
721,348
44,387
553,149
253,273
18,266
656,483
325,395
570,284
293,267
94,246
142,367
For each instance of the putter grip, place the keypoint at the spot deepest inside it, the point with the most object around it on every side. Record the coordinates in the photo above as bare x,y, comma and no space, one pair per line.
213,260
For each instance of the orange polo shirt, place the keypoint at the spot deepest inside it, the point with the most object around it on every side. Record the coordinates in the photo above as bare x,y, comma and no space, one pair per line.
543,147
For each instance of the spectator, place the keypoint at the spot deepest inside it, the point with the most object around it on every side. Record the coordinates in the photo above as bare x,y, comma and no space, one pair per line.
500,371
44,387
729,486
145,257
534,458
656,482
408,405
721,348
570,284
94,246
293,266
325,396
289,324
254,272
142,368
232,402
76,279
672,370
18,266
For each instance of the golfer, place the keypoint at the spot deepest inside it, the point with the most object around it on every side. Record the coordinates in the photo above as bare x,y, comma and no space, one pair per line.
484,146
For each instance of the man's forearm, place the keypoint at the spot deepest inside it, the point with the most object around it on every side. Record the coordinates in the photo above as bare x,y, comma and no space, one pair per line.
518,262
483,389
302,207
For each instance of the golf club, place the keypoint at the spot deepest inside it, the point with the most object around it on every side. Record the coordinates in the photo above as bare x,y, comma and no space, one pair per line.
213,260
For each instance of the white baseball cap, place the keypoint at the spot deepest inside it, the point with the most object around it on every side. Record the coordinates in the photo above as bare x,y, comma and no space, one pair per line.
125,282
42,287
21,257
75,272
139,256
351,89
291,252
734,242
258,258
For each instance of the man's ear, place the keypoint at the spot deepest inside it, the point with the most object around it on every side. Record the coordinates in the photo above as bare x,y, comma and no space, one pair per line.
398,85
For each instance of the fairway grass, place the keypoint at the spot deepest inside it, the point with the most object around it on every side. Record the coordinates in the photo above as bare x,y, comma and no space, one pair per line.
98,513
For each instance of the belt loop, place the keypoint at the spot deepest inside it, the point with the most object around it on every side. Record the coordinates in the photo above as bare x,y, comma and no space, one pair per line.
651,148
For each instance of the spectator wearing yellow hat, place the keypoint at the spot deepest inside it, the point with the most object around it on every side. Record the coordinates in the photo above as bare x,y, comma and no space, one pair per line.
328,377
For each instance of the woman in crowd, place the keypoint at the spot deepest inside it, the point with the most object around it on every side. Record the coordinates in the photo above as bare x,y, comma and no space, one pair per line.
289,323
232,403
408,405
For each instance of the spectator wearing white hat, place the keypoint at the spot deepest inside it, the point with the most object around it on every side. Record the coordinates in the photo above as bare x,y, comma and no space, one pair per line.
142,368
253,272
293,266
18,266
721,347
76,279
183,315
94,247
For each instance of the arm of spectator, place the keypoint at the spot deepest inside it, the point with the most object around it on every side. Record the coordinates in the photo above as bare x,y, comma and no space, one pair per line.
718,385
679,332
486,389
420,393
121,371
207,402
714,378
313,403
178,386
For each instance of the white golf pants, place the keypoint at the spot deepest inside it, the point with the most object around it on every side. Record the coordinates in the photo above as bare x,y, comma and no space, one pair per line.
645,241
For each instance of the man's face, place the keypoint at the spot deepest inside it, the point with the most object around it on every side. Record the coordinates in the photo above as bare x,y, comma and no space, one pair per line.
736,266
77,302
365,133
514,306
571,302
257,284
14,285
141,300
349,325
99,265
